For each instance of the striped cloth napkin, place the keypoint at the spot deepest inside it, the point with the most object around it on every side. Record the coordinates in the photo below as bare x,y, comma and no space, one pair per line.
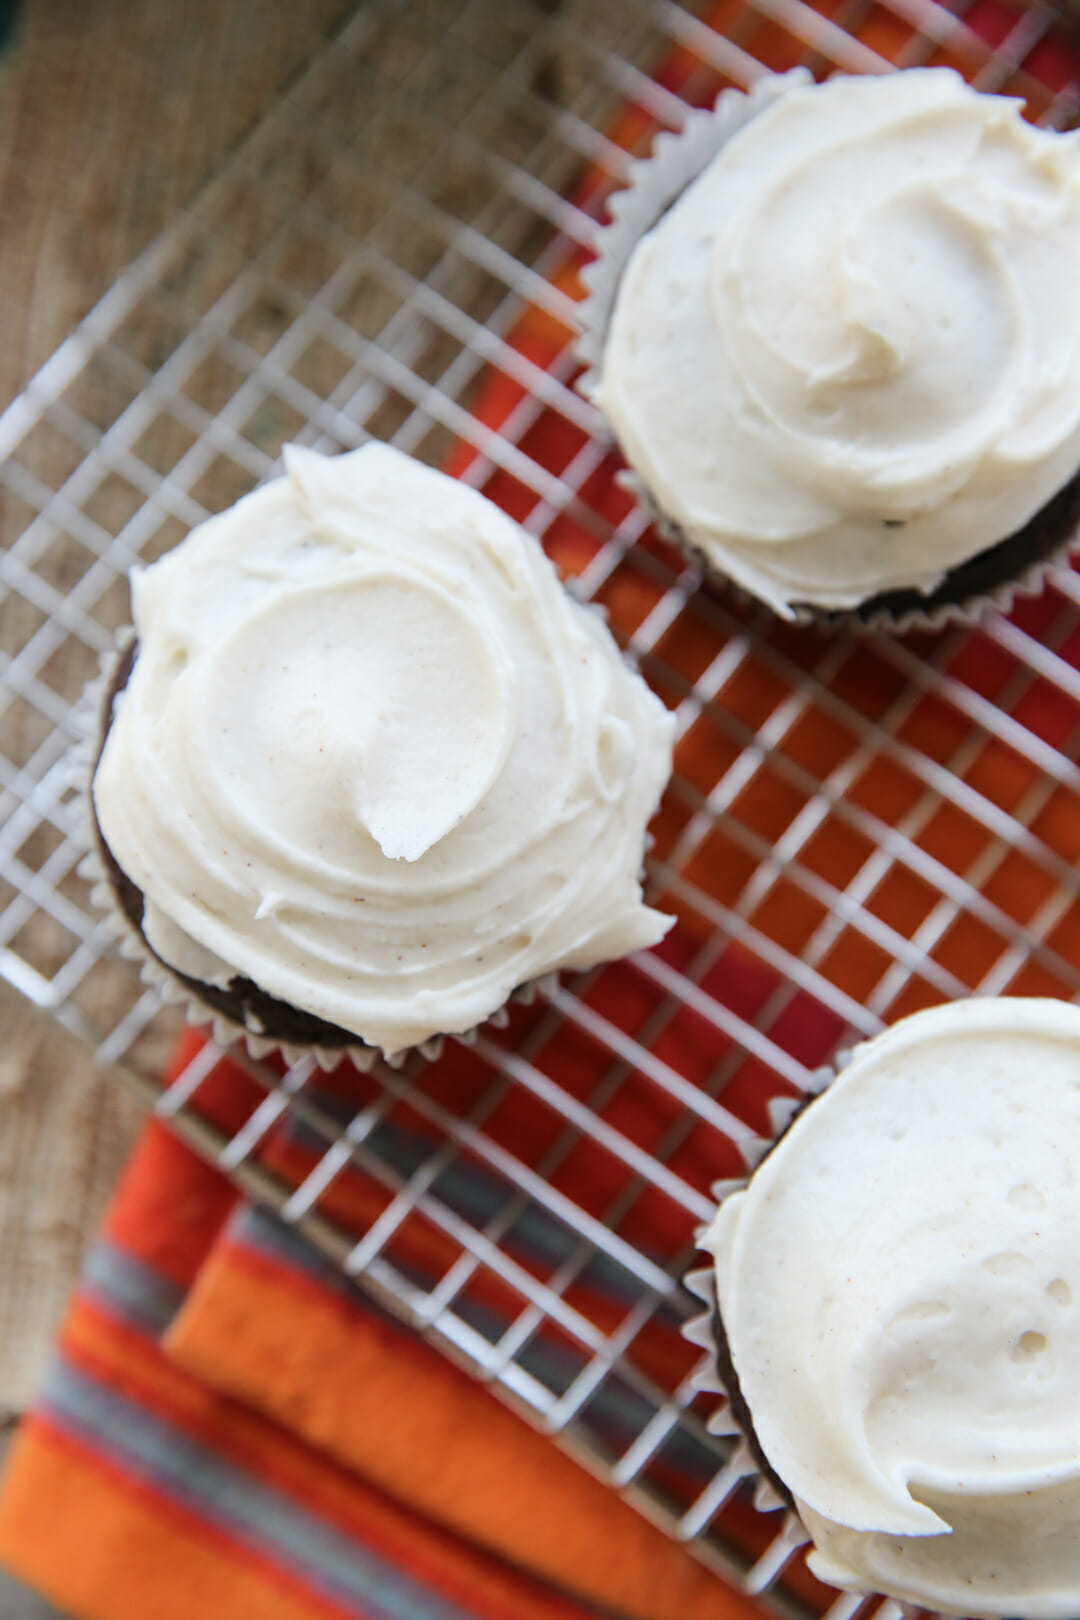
230,1428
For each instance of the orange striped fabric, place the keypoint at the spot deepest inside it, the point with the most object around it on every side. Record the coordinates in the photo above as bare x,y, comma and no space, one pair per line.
226,1424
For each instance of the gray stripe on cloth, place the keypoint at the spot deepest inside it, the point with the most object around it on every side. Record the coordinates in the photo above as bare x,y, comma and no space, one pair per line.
616,1412
132,1290
252,1512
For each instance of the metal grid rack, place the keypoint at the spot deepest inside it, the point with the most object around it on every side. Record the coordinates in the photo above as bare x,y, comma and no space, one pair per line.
856,827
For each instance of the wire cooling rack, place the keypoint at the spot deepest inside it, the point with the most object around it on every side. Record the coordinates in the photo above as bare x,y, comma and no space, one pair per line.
856,828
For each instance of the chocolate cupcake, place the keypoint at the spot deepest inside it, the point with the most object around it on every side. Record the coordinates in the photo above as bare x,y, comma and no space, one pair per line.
365,769
835,331
897,1312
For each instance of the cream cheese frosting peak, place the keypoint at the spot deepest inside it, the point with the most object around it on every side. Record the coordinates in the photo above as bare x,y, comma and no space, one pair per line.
848,356
374,758
899,1285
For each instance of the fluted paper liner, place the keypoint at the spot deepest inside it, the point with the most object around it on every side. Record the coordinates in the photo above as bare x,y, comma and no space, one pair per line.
91,719
654,183
701,1331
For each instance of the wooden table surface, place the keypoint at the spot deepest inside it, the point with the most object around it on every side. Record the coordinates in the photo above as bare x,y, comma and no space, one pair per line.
112,113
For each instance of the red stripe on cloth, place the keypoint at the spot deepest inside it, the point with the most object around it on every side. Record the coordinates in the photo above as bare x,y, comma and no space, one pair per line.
120,1358
427,1434
113,1548
354,1202
170,1204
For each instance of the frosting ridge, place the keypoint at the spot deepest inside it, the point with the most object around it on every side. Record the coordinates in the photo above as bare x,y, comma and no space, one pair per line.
900,1290
373,757
848,356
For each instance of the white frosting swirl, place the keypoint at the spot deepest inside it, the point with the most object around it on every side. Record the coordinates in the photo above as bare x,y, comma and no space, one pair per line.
900,1289
373,757
848,357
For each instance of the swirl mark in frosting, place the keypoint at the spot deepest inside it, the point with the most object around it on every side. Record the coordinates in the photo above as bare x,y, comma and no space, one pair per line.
406,758
848,357
373,757
897,1288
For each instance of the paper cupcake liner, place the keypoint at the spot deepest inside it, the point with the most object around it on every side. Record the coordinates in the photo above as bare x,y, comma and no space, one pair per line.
743,1462
716,1377
746,1461
90,720
654,183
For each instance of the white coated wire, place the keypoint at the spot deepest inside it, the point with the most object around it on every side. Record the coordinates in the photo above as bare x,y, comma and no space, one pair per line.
357,268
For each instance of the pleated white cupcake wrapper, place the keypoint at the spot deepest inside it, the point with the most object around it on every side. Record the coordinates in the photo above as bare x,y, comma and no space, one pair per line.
701,1330
90,719
654,183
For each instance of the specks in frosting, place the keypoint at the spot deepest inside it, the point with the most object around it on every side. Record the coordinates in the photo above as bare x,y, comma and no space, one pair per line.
407,734
877,289
928,1419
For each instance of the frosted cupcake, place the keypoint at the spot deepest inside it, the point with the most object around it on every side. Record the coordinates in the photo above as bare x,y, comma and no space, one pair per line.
898,1300
835,330
366,767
